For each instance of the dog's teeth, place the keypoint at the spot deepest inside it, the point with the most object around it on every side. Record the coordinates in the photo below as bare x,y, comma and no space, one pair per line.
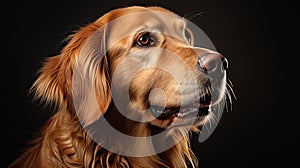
179,115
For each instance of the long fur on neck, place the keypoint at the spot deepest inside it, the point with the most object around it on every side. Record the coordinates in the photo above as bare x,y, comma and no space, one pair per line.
64,143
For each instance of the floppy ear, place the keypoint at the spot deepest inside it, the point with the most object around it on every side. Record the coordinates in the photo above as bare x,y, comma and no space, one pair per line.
78,79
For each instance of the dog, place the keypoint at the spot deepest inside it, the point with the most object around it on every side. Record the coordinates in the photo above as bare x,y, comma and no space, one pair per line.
134,71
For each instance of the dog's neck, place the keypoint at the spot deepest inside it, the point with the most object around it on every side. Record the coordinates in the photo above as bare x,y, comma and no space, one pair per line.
143,129
71,139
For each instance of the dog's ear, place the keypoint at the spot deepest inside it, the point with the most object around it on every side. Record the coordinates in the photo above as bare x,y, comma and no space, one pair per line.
78,79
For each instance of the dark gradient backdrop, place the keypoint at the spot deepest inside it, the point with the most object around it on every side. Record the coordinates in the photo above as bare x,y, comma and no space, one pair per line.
252,35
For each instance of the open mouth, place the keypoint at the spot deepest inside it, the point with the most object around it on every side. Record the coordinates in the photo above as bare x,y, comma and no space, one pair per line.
198,108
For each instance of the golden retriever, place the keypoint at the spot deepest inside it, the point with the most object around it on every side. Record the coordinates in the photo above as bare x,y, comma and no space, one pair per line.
127,89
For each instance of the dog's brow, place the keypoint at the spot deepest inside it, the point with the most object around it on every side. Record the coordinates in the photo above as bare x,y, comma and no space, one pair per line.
149,27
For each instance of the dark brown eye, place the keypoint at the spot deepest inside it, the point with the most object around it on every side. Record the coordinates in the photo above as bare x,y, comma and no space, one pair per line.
145,40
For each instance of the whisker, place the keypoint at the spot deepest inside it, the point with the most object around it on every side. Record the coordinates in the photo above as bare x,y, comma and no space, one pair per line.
229,82
193,14
228,107
224,103
228,103
229,95
213,118
229,86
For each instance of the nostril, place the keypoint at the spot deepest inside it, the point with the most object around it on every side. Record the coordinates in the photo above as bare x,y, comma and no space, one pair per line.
212,61
201,65
225,63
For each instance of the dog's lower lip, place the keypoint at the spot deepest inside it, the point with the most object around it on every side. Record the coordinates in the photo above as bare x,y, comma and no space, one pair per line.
185,111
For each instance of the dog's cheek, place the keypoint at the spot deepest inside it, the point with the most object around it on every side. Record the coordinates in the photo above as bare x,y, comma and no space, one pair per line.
138,96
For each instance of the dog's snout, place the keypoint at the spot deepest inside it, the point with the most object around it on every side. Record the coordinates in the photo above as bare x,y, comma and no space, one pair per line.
211,62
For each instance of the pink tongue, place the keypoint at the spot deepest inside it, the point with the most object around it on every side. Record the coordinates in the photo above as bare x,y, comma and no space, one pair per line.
187,111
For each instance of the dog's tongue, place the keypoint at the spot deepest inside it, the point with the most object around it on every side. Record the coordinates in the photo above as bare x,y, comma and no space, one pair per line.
186,111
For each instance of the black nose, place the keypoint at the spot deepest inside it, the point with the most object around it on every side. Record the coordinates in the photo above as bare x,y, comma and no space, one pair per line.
211,62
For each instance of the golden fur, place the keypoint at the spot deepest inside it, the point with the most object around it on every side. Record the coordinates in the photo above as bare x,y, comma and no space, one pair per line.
63,142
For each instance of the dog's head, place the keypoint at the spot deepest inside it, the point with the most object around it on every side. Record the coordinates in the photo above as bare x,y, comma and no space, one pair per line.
143,61
154,64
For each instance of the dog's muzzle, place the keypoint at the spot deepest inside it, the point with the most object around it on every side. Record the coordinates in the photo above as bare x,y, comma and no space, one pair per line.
210,64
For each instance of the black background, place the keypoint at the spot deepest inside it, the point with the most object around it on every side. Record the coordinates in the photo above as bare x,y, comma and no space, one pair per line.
252,35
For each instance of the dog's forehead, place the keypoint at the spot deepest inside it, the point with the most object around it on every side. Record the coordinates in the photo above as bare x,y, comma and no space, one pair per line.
145,21
156,16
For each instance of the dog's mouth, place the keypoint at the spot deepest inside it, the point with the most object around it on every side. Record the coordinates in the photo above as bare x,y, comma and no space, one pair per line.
199,108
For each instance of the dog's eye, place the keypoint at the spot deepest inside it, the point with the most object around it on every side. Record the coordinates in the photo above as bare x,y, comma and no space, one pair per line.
145,40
